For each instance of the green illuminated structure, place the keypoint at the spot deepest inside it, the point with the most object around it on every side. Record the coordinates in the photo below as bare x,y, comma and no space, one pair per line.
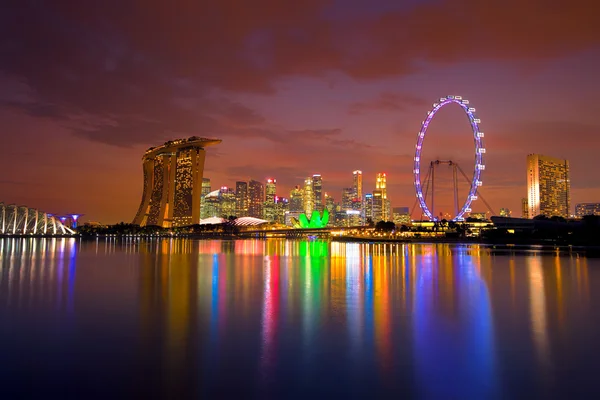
315,221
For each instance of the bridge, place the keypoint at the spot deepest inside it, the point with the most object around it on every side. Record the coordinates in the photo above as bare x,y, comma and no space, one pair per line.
24,221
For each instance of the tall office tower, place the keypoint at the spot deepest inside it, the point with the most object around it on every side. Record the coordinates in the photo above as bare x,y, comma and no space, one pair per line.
381,184
282,206
583,209
347,196
173,183
329,204
387,210
241,199
357,185
268,211
308,200
317,186
368,206
505,212
378,206
270,189
228,202
255,199
269,206
296,200
548,186
524,208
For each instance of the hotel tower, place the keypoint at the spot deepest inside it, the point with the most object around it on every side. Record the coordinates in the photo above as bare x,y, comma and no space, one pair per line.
173,183
548,186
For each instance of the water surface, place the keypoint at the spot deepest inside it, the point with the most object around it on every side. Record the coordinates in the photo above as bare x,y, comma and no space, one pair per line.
178,318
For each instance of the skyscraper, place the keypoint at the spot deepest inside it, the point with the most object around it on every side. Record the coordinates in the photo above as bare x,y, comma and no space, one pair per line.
368,206
255,199
357,184
241,199
270,190
548,186
173,183
317,186
330,204
378,206
381,185
228,202
296,200
308,196
347,197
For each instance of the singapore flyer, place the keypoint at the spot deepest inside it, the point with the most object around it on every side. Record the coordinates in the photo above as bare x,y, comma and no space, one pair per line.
479,165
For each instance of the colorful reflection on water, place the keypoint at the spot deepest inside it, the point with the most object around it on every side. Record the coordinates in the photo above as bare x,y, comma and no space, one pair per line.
178,318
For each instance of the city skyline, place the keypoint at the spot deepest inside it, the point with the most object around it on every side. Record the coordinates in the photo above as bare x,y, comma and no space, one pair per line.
335,89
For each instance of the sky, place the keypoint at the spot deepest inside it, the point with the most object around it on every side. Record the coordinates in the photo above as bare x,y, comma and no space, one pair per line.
293,88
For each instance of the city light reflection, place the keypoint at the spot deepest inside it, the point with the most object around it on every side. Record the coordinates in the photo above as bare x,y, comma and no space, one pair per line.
434,314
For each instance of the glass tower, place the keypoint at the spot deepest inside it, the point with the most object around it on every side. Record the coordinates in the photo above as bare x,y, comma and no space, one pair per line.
357,184
270,190
255,199
317,188
241,199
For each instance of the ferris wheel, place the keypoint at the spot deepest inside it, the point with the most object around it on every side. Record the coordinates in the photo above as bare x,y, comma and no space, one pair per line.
478,167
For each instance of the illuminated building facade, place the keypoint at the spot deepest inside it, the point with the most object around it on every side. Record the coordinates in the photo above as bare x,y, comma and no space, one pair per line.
401,216
173,183
548,186
330,204
205,191
478,215
317,188
308,196
281,207
255,199
206,186
353,218
381,185
357,184
228,202
296,200
378,206
524,208
347,197
368,206
211,205
583,209
241,199
505,212
270,190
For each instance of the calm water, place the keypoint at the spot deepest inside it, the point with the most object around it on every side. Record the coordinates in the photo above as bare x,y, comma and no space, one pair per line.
278,319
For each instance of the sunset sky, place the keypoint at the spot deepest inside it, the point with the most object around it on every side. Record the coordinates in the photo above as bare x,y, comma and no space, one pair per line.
293,88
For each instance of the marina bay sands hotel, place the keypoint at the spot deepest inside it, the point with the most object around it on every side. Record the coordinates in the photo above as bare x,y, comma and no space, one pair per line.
173,183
